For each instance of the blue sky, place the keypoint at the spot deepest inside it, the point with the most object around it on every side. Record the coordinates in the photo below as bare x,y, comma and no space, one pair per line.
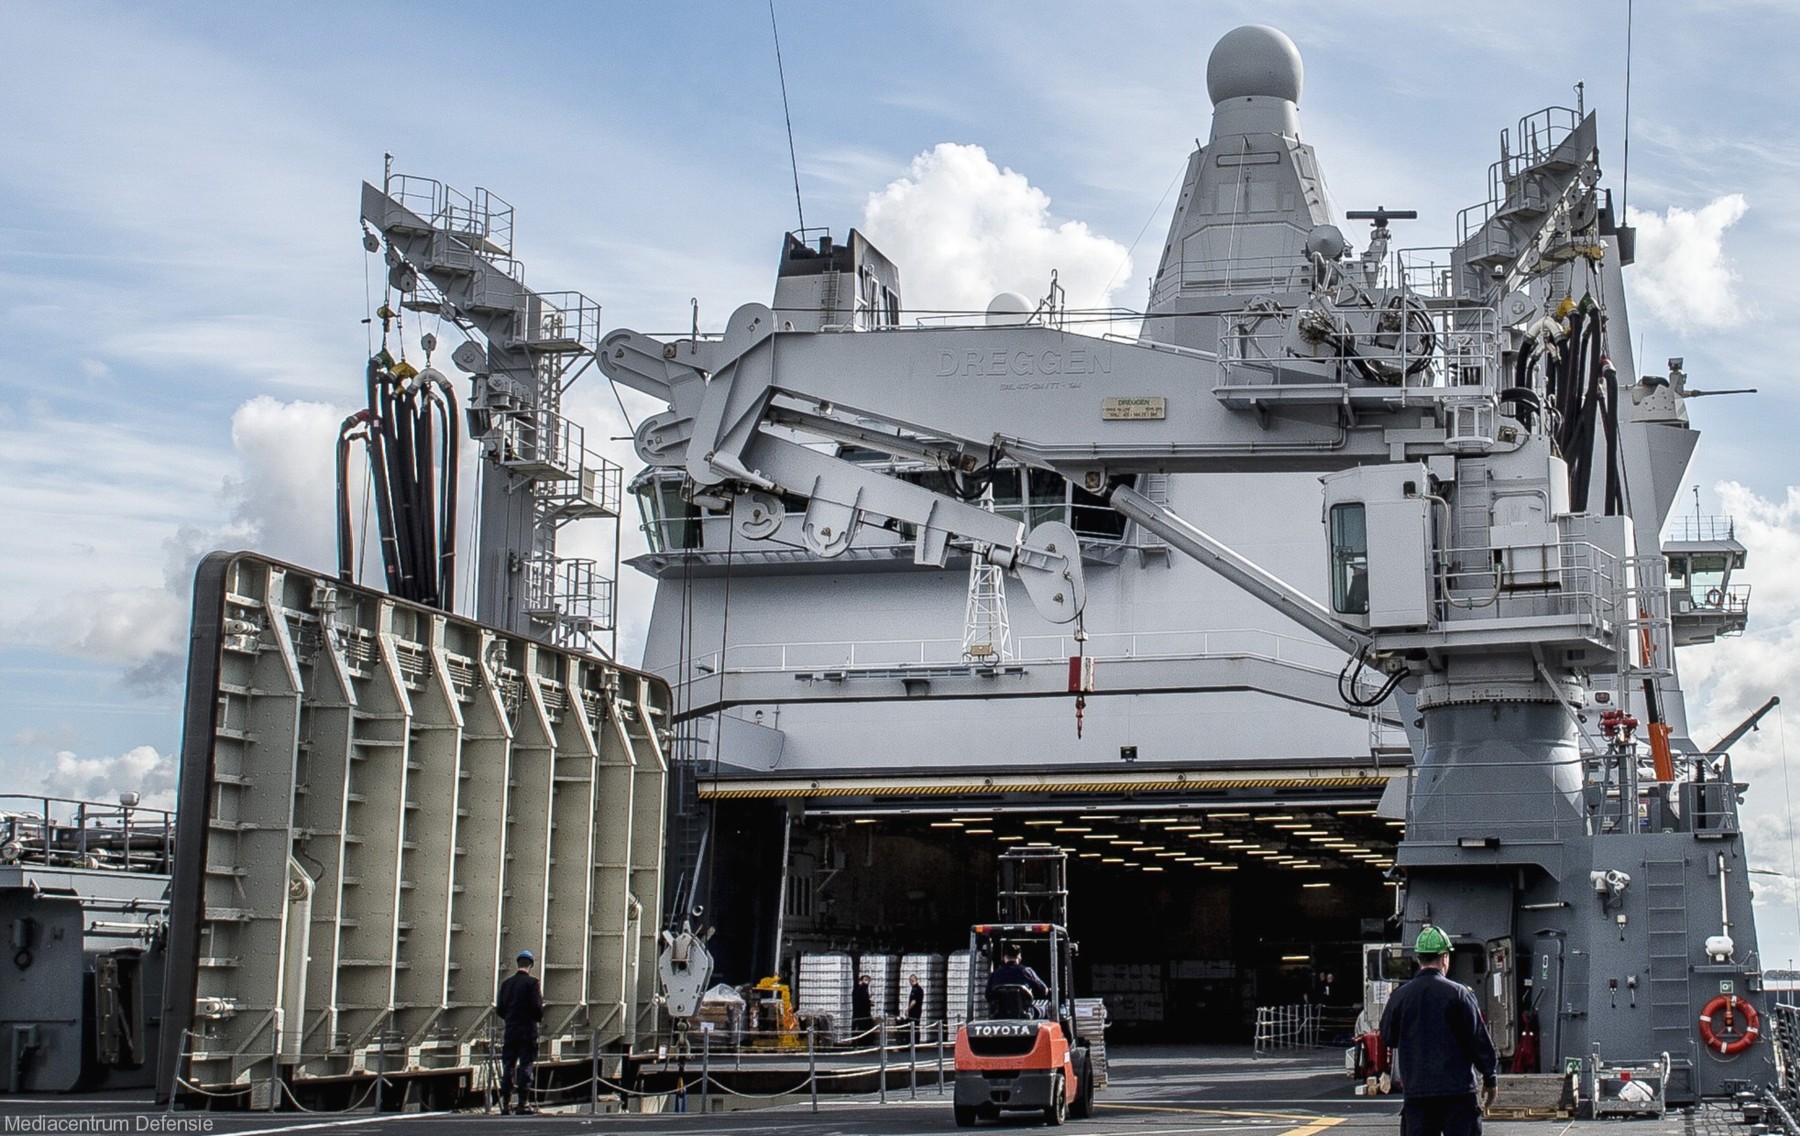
182,282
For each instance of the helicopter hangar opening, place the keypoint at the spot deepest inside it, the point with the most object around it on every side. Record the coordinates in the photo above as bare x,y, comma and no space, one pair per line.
1194,897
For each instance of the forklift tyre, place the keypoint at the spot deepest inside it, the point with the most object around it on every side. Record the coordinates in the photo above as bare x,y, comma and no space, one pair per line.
965,1117
1084,1091
1057,1110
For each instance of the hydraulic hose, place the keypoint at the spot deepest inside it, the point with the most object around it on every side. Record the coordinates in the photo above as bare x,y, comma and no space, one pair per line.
409,433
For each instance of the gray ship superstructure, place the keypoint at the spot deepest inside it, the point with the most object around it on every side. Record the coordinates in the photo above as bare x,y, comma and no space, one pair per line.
1226,693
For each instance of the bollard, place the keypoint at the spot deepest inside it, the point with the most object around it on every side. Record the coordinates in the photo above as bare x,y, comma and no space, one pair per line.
881,1039
912,1061
812,1066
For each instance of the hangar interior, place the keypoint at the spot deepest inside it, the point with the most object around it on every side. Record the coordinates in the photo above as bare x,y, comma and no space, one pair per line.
1191,909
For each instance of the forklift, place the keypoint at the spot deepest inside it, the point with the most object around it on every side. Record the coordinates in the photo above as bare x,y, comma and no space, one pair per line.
1019,1049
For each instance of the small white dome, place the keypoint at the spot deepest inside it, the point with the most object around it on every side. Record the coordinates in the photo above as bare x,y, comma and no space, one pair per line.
1254,60
1008,309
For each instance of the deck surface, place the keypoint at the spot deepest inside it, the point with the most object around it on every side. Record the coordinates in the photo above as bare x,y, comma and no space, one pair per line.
1155,1091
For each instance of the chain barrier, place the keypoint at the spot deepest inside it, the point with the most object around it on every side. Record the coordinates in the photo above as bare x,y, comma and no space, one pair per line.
884,1068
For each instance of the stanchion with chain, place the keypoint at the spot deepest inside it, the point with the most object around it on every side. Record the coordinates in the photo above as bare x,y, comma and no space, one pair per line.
881,1039
943,1028
274,1065
705,1068
812,1066
912,1061
594,1072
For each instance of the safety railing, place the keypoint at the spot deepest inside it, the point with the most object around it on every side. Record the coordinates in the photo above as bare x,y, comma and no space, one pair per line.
670,524
1609,792
1703,529
1297,1026
1215,276
558,321
1145,645
1783,1095
1538,136
1733,599
1400,342
1572,579
1645,619
482,220
1503,808
593,491
540,443
63,832
570,592
1425,272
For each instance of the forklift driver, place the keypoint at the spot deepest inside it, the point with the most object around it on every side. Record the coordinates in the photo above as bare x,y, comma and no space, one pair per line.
1012,986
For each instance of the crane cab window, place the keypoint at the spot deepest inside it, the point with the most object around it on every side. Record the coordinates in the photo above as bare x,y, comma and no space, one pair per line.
1349,560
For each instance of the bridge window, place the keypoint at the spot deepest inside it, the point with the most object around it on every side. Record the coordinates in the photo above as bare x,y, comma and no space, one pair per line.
1349,560
671,523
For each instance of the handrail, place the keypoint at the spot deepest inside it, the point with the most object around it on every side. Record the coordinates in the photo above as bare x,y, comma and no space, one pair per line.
124,837
751,658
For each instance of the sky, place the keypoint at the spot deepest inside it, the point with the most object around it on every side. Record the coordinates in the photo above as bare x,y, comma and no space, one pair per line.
183,286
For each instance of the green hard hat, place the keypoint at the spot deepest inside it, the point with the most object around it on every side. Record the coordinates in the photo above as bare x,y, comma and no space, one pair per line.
1431,941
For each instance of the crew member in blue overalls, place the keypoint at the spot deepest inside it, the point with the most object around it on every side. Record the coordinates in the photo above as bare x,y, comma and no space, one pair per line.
521,1006
1438,1038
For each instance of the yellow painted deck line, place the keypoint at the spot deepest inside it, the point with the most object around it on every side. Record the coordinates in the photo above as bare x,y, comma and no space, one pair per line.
1312,1124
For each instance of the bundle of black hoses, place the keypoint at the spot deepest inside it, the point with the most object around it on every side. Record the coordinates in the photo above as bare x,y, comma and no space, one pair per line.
1349,679
409,433
1581,399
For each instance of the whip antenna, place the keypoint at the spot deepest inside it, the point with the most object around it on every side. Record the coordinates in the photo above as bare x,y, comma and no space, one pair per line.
1625,174
793,162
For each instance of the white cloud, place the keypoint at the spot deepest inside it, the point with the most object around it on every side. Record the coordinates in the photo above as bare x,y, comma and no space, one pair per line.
141,770
284,496
1728,681
962,230
276,495
1682,275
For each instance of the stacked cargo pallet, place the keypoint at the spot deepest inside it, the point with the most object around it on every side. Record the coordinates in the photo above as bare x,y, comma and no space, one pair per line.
824,997
956,988
1090,1026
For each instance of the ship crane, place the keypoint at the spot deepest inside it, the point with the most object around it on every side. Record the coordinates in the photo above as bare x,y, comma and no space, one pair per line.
1458,428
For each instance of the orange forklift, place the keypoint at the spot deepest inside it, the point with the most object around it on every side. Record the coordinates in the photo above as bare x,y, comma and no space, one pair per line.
1019,1049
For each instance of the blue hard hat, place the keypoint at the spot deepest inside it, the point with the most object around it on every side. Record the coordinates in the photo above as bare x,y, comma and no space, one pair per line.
525,956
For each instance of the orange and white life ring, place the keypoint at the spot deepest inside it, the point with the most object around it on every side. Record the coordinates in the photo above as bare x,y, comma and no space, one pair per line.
1731,1005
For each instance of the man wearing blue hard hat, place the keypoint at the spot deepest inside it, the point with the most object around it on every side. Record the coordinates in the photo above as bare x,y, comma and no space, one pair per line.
521,1006
1438,1038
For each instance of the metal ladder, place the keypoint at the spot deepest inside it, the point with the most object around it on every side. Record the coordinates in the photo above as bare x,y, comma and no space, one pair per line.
1671,1001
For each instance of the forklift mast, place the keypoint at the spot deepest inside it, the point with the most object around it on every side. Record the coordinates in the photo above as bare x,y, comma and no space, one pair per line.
1034,885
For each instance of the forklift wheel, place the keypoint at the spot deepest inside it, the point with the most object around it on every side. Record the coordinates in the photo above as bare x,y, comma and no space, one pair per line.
1058,1109
1084,1089
965,1117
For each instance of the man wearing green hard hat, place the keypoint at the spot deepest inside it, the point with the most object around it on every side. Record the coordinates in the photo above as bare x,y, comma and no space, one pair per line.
1439,1040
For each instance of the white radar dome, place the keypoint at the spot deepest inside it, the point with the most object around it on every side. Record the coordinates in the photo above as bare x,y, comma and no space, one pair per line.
1008,309
1254,60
